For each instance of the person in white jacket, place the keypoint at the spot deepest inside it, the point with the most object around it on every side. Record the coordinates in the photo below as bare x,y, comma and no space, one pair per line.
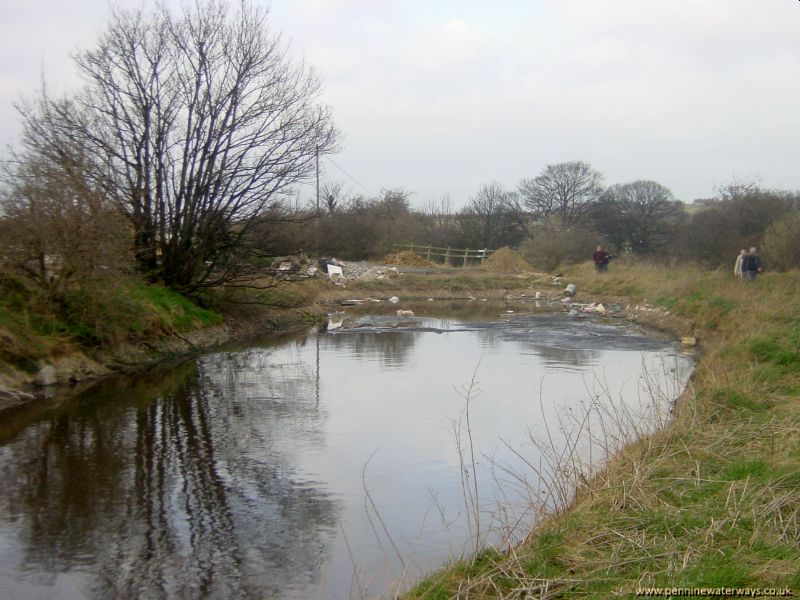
737,268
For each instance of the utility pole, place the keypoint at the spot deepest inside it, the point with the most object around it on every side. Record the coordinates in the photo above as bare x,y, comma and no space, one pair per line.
317,180
316,215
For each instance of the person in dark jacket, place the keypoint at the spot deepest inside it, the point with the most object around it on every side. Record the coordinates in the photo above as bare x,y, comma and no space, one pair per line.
751,265
601,258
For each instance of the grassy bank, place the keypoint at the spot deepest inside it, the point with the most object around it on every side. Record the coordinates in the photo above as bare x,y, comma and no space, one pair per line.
108,313
711,501
37,328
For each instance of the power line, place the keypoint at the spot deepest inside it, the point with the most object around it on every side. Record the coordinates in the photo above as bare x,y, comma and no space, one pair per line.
353,179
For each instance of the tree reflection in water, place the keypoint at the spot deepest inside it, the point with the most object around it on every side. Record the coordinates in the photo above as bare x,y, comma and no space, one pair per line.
168,497
391,348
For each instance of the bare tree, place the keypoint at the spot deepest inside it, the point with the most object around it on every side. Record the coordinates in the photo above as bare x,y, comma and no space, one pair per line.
492,218
439,222
200,121
439,210
565,190
642,216
332,194
366,227
59,226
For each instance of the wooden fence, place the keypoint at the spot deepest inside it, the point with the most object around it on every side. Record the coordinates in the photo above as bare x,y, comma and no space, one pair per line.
448,254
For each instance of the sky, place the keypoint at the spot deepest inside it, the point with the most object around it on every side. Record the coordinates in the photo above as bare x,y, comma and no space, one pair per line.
440,96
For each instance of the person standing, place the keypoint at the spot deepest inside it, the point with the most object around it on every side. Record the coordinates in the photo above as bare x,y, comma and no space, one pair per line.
600,259
751,265
737,268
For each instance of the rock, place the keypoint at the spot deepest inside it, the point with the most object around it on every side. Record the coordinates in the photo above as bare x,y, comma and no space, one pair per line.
46,376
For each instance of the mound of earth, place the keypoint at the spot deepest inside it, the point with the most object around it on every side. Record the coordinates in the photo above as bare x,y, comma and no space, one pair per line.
506,260
407,258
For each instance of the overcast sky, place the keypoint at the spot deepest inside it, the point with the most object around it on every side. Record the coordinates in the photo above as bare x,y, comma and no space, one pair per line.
439,96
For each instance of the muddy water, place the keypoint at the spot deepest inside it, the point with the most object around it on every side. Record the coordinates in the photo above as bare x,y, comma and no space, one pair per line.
328,464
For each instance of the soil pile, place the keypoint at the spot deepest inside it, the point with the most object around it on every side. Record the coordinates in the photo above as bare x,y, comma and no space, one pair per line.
506,260
408,259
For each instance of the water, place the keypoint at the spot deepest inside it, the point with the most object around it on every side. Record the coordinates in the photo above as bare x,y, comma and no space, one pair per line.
317,465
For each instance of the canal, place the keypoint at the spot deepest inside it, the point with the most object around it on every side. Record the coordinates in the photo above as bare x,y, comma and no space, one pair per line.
333,463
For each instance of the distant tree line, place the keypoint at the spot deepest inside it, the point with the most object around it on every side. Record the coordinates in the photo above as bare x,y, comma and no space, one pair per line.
180,159
556,217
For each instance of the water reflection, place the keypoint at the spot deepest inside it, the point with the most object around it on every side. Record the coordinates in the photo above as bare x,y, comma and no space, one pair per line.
291,470
390,347
164,498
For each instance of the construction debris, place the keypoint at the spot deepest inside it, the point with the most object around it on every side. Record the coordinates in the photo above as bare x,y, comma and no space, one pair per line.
506,260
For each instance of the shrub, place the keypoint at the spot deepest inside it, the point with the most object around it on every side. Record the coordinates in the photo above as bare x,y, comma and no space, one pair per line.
549,247
782,243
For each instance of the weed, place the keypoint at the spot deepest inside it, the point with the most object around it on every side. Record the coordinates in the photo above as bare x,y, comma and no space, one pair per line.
722,305
770,351
735,400
666,302
746,468
794,582
632,290
715,570
432,589
544,554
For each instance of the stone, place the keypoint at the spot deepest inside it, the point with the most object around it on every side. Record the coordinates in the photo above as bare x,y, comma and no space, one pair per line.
46,376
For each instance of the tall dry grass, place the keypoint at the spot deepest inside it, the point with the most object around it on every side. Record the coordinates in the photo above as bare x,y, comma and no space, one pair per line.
713,499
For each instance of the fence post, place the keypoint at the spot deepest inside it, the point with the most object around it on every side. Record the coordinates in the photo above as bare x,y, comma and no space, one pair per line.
412,247
447,256
466,254
428,256
483,255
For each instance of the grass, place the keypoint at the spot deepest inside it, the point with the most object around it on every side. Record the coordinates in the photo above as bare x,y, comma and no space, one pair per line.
34,327
175,310
712,500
